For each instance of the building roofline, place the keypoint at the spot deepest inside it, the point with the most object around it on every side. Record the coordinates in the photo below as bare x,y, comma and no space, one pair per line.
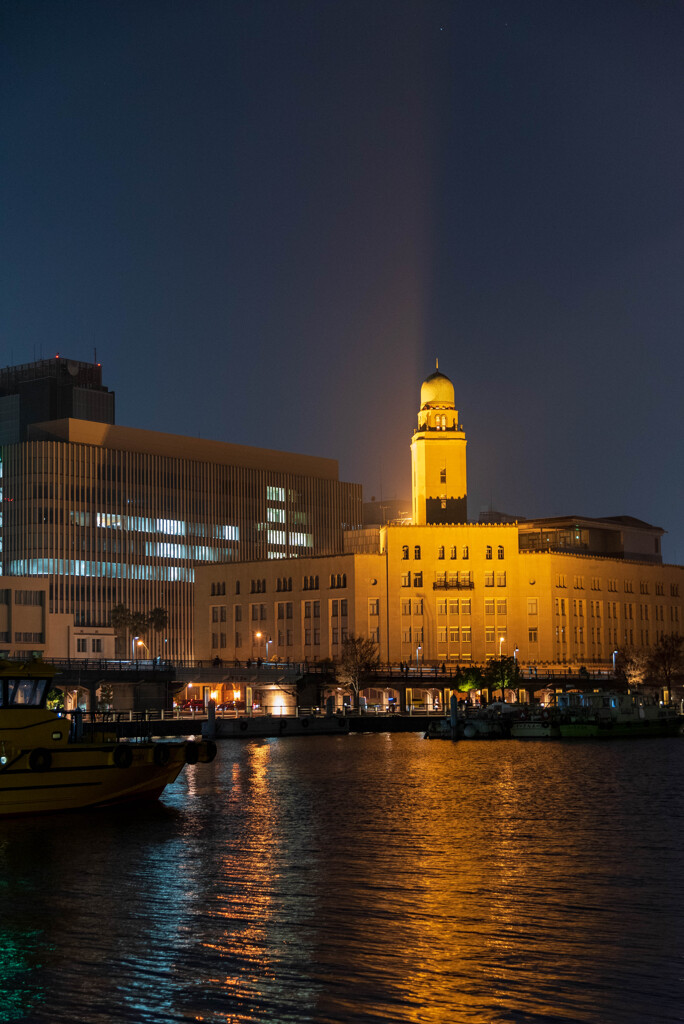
152,442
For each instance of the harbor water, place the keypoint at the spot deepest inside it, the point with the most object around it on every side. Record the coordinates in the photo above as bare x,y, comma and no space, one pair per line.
363,878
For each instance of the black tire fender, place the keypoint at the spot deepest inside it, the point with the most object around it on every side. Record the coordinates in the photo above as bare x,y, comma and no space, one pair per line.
192,752
123,756
40,760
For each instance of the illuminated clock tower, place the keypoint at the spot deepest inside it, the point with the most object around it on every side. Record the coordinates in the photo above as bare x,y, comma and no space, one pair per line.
438,456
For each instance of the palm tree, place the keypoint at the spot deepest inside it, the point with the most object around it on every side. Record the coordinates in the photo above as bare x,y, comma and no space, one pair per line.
121,622
158,620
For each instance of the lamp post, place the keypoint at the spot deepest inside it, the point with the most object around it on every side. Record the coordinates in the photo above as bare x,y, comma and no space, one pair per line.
141,643
135,646
501,640
614,657
418,650
269,641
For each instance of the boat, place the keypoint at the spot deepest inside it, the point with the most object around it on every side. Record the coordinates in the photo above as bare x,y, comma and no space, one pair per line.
605,714
51,761
536,724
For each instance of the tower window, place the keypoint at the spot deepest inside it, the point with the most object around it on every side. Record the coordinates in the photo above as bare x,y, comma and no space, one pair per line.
440,552
405,551
416,551
453,551
465,552
500,551
442,476
489,551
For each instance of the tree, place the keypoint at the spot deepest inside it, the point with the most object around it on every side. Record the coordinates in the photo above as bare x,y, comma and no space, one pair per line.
158,620
121,623
502,674
359,657
665,664
631,663
467,679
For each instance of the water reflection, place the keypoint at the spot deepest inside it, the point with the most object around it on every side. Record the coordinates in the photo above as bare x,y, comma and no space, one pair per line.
359,878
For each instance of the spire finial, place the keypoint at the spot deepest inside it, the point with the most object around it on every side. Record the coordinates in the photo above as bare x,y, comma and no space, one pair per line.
437,364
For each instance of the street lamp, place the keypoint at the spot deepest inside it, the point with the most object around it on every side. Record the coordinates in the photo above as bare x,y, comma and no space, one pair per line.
269,641
135,649
418,650
141,643
501,640
614,657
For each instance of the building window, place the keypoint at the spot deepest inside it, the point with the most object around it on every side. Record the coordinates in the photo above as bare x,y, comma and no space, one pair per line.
488,551
465,552
489,607
441,607
343,608
405,551
406,607
500,551
532,606
416,552
442,635
532,636
489,635
465,607
501,608
466,634
406,635
453,552
442,476
501,579
82,646
374,607
317,609
238,640
489,579
96,647
417,579
453,634
440,551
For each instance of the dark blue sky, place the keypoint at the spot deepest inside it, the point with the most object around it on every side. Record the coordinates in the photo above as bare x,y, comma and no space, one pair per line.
269,218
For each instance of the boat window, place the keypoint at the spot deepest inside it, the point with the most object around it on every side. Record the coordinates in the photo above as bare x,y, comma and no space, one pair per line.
26,692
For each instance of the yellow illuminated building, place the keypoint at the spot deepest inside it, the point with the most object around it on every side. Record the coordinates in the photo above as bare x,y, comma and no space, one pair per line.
554,592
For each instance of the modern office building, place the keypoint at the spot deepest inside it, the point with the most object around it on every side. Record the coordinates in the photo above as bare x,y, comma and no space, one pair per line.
111,515
553,592
51,389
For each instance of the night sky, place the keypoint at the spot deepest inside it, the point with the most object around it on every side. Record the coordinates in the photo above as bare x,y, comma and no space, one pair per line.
269,219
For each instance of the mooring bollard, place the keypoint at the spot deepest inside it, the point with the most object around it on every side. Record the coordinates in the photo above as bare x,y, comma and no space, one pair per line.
453,716
211,720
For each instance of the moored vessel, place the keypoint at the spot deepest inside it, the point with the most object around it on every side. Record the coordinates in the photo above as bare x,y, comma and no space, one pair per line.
608,715
50,761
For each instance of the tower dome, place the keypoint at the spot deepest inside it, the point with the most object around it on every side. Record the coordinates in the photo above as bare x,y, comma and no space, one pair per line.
437,391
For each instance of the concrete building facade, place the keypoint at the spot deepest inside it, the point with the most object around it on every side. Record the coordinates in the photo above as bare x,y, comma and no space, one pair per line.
564,592
107,515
